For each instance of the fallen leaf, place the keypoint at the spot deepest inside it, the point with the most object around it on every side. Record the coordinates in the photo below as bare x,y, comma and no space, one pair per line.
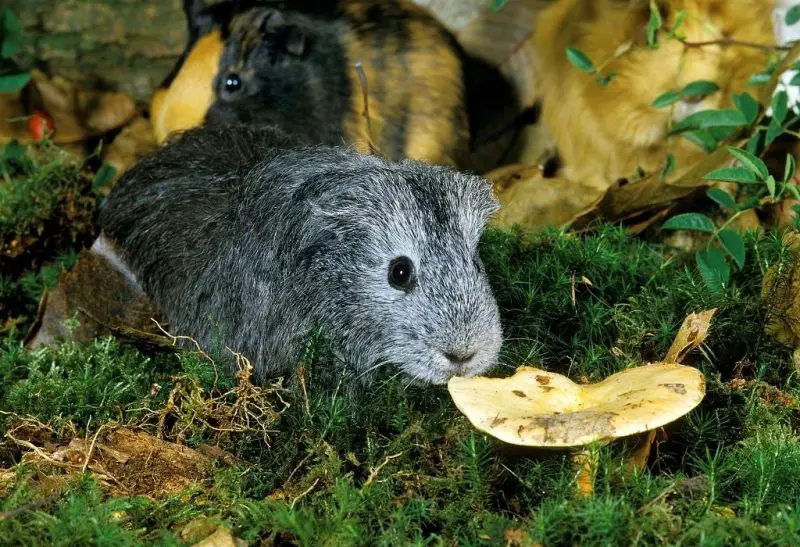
198,529
77,114
624,201
692,333
105,298
530,199
222,538
134,141
126,462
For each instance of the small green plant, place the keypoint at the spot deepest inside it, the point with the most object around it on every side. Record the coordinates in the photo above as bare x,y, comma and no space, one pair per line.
12,76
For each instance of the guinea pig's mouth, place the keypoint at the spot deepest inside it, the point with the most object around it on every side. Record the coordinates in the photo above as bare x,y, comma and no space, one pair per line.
443,365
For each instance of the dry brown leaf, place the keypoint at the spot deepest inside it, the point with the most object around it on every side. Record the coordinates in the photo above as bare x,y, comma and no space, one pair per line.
198,529
534,201
133,142
651,193
105,298
222,538
692,333
127,462
77,113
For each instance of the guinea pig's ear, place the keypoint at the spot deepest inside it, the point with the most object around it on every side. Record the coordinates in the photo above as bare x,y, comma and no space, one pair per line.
276,30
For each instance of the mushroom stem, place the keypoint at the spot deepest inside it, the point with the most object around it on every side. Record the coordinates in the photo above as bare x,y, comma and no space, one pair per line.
586,461
640,452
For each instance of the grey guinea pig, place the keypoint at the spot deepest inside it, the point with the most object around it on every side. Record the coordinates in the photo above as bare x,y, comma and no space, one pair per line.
245,237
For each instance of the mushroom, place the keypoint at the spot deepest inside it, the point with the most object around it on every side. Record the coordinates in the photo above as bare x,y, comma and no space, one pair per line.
538,408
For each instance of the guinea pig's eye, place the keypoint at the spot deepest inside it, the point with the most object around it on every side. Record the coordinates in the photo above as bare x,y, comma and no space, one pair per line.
401,274
232,83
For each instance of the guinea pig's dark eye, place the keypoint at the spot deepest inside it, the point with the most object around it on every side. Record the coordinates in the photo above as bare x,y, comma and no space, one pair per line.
401,273
233,83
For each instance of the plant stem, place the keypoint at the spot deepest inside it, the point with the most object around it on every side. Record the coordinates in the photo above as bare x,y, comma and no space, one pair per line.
729,42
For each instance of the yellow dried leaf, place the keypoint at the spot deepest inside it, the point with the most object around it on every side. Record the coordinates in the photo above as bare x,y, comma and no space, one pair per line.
692,333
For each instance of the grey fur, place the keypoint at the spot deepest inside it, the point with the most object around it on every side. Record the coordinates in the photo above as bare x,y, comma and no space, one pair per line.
271,239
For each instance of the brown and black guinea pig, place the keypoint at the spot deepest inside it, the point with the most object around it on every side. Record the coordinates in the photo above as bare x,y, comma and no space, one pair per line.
293,64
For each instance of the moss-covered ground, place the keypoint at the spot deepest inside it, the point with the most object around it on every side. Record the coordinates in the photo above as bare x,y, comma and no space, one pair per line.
400,465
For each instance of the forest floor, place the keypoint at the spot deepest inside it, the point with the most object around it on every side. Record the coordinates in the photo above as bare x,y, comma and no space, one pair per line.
105,443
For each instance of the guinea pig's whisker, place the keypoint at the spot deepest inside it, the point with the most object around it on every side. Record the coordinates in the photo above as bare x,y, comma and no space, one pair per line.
411,381
370,369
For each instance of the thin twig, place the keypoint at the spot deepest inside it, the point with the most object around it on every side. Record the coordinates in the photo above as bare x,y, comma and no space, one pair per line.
91,448
310,488
29,506
374,472
730,42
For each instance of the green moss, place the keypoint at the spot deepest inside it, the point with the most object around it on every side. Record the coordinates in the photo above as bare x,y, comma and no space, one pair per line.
47,206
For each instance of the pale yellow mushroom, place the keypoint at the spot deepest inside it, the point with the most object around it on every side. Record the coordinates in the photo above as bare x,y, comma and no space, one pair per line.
543,409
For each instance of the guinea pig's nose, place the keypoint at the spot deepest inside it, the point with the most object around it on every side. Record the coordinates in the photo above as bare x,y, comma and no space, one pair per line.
459,357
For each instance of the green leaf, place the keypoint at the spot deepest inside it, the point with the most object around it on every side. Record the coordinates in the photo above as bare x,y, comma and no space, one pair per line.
580,59
666,99
702,138
732,174
733,243
780,106
13,151
770,182
750,162
678,21
793,15
713,267
14,82
726,117
774,131
754,143
760,78
669,167
722,197
497,5
689,221
789,169
11,34
793,191
653,25
104,176
700,88
795,79
605,80
721,133
747,105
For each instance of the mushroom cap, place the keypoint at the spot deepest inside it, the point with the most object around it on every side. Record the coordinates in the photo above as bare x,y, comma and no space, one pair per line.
539,408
